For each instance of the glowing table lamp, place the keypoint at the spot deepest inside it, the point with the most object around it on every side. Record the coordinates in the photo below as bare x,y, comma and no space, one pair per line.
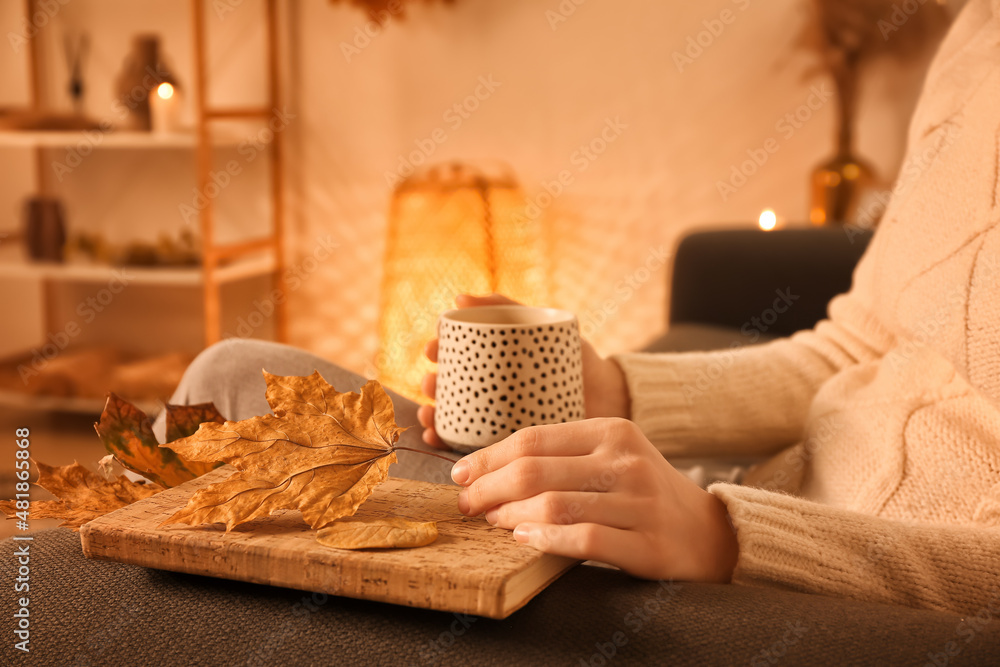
453,229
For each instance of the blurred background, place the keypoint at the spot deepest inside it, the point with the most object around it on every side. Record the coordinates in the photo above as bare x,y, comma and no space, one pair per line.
331,174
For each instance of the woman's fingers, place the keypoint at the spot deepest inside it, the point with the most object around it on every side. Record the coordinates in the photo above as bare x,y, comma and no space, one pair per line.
428,384
586,541
524,478
425,415
431,438
431,350
617,510
569,439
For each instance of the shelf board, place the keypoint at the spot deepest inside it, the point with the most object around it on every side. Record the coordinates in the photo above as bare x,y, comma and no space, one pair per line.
83,406
16,266
122,139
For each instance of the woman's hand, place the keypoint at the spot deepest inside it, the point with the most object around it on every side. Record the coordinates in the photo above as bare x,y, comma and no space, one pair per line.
598,490
605,393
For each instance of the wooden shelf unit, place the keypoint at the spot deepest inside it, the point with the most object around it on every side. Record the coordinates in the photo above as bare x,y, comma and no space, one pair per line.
215,255
221,263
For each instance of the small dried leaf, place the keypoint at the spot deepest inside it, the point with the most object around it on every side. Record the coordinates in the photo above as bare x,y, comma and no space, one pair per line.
322,452
110,467
128,434
83,495
389,533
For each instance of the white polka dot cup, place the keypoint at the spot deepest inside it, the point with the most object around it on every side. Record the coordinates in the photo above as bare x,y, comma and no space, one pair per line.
501,368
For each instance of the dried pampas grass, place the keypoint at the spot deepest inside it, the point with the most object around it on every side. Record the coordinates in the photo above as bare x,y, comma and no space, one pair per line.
847,34
859,30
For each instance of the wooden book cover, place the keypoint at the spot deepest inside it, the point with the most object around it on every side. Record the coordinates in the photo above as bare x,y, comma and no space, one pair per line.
472,568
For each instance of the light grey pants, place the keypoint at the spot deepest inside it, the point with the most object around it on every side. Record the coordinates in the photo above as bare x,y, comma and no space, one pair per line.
229,374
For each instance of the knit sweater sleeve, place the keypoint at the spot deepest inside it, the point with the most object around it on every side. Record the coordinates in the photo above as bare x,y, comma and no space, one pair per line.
749,400
788,542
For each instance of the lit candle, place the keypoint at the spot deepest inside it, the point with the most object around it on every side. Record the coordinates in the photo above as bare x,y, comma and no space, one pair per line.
768,220
164,105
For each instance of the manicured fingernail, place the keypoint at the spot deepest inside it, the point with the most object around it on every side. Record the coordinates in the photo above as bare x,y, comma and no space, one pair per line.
491,517
463,503
460,472
522,535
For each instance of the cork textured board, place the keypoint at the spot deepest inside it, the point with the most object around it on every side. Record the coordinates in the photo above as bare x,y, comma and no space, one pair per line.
472,567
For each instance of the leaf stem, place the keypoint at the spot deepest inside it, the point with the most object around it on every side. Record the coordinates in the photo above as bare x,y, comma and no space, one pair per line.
421,451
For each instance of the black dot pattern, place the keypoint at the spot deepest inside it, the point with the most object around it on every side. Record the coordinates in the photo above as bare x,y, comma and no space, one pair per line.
494,380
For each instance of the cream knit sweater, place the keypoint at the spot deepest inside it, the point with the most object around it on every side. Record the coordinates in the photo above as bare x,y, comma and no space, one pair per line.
894,401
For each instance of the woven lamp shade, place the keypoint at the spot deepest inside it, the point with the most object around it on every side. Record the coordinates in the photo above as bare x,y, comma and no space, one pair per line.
453,229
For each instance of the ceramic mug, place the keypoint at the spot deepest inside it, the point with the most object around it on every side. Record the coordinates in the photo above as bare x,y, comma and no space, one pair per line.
501,368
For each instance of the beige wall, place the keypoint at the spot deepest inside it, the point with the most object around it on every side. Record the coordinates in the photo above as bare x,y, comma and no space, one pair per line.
559,85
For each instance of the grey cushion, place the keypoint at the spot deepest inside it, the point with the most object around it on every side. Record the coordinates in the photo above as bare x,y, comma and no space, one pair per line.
735,277
100,613
687,337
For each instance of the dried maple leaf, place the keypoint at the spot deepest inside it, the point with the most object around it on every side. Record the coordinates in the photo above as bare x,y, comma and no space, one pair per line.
392,532
83,495
184,420
128,434
322,452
